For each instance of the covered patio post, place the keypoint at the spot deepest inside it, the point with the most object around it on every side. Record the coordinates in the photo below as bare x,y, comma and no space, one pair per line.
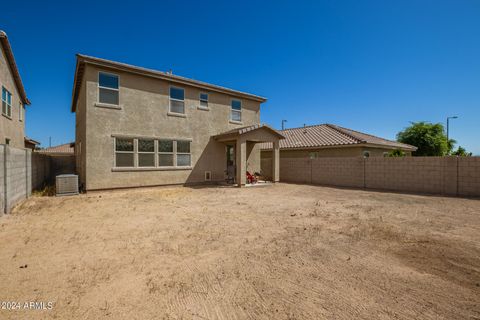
276,161
241,161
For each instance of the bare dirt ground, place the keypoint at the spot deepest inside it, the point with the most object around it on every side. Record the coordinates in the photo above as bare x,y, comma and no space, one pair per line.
279,252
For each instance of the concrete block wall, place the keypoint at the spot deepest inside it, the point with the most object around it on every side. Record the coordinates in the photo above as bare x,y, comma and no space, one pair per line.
341,171
40,170
469,176
20,173
16,176
453,176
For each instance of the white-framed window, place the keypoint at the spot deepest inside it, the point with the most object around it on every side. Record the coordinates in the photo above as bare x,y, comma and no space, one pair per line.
6,102
124,152
236,112
151,153
177,100
20,111
203,100
108,88
146,152
183,153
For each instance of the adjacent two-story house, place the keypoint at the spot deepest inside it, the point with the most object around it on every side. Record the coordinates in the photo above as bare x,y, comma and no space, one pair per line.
140,127
14,98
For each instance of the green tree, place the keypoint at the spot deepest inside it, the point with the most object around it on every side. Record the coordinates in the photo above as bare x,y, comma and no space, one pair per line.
396,153
429,138
461,152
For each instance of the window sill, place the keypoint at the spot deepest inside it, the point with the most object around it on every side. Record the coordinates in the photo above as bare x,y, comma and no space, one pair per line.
235,122
203,108
130,169
3,114
108,106
175,114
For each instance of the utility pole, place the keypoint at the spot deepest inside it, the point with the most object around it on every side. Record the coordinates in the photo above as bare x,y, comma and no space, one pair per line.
283,124
448,125
49,142
448,131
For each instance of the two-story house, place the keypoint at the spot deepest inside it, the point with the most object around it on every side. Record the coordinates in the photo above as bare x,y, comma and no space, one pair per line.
14,98
140,127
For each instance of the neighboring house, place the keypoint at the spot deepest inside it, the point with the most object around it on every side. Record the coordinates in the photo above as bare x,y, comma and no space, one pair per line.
14,98
30,143
328,140
141,127
66,149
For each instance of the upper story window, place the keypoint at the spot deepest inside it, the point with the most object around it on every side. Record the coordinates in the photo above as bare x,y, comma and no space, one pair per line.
108,89
20,111
204,100
177,100
236,112
6,102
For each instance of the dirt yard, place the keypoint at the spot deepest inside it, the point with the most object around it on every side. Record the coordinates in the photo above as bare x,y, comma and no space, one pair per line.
278,252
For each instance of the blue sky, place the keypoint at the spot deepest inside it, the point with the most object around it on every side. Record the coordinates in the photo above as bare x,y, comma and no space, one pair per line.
373,66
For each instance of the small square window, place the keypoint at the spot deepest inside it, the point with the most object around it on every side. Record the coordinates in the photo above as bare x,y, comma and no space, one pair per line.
124,160
183,160
124,145
183,146
236,105
146,146
165,160
165,146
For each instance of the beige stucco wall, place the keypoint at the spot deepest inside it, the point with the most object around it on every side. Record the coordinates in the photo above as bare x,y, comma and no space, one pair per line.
144,110
13,128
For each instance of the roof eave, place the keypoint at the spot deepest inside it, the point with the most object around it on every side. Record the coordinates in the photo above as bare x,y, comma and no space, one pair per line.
13,67
155,74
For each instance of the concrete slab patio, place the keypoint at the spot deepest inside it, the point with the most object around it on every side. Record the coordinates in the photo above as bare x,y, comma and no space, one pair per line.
282,252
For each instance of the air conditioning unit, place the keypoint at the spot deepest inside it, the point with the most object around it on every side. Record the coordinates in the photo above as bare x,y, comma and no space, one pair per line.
67,184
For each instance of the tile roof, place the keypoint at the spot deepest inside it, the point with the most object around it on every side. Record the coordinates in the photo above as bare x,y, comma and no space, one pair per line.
326,135
66,148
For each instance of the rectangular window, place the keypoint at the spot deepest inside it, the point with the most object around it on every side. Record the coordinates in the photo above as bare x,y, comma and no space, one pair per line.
204,100
236,112
146,153
165,153
183,154
20,111
124,152
108,89
6,102
177,100
152,153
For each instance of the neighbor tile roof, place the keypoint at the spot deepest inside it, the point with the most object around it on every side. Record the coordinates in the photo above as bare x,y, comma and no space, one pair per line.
13,67
326,135
66,148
